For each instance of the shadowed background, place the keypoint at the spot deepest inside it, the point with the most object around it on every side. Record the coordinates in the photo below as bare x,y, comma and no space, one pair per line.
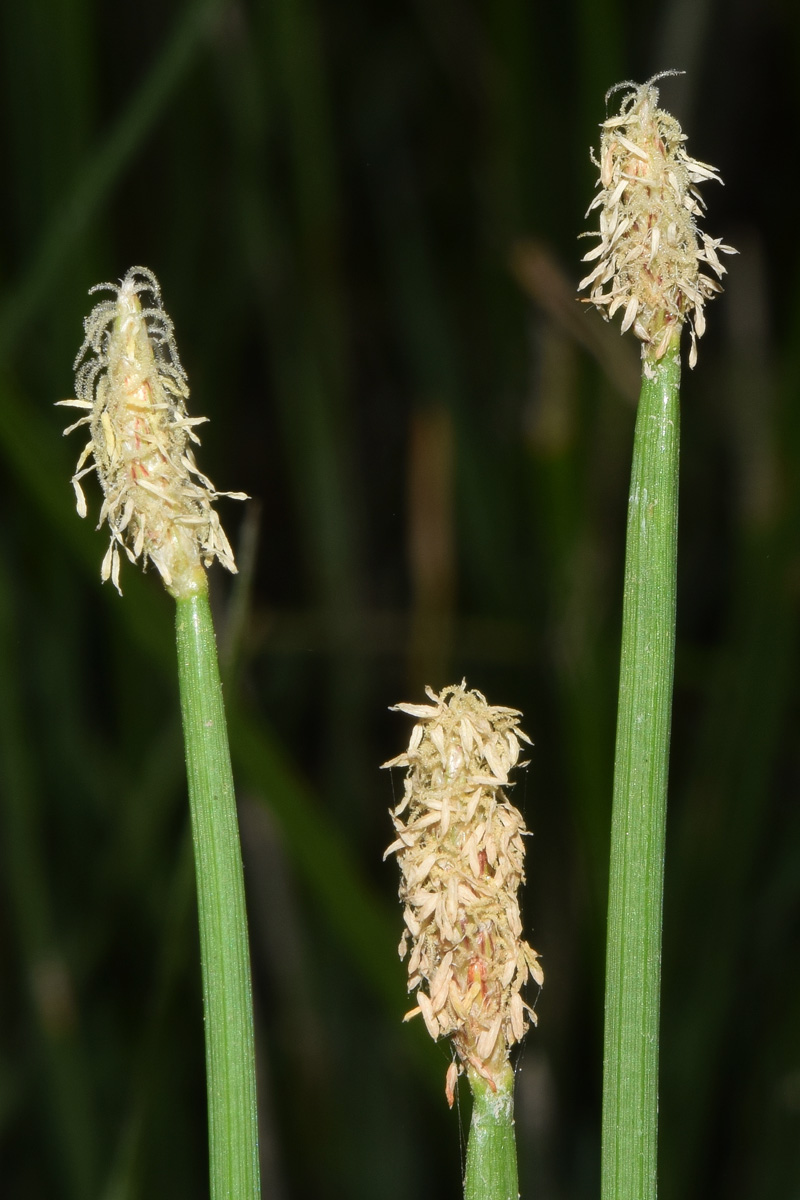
364,222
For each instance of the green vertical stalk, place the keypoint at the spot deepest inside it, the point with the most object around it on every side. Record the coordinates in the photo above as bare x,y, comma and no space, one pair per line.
227,999
633,978
492,1149
473,968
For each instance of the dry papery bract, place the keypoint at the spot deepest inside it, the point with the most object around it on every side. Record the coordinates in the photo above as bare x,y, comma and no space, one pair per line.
460,849
130,381
651,253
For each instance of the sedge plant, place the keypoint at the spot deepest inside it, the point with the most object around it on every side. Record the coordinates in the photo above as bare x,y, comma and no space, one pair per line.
460,850
158,507
655,266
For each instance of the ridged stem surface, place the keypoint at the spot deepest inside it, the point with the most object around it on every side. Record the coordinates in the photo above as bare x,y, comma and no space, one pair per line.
492,1148
227,999
633,966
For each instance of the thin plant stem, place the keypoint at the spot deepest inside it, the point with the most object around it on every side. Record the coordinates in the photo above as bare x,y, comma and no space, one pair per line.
633,971
475,962
227,998
130,380
492,1149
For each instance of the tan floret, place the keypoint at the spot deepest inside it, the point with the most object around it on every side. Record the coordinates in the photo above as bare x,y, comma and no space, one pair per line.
651,255
130,382
460,849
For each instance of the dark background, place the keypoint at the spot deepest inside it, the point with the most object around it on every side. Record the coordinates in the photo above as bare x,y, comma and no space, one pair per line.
364,221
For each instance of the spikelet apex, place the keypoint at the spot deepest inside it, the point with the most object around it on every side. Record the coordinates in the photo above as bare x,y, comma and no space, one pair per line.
652,263
460,848
133,388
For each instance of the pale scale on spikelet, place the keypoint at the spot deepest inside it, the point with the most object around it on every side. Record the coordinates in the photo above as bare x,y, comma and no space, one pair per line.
130,381
651,253
460,849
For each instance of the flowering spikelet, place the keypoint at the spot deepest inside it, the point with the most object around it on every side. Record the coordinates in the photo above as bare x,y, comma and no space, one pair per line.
651,252
460,851
131,383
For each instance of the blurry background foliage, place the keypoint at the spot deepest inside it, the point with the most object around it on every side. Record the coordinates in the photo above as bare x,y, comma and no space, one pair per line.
364,220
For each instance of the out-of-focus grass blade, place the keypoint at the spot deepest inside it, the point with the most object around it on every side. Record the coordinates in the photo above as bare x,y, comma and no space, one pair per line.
43,467
73,217
50,999
321,857
319,854
725,826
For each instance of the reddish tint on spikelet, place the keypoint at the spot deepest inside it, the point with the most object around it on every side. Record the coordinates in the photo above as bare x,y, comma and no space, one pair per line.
130,381
460,849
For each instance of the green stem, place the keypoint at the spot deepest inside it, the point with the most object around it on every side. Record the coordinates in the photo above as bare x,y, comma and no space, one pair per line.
492,1148
633,969
227,999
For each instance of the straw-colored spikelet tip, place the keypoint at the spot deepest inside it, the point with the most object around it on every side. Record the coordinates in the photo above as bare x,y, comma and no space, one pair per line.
460,849
651,254
129,379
